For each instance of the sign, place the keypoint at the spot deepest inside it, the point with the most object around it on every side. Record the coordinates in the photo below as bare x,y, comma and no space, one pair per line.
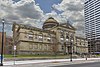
1,57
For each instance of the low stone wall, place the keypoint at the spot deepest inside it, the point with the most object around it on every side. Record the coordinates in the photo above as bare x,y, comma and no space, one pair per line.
21,59
39,53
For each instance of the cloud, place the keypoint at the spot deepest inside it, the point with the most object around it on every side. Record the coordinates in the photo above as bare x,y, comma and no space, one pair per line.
23,11
20,10
28,9
74,7
72,10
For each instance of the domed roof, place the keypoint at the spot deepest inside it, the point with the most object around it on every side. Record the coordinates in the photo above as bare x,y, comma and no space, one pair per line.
50,19
50,23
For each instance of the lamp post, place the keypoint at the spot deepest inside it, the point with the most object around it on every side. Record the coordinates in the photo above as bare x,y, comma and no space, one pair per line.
86,56
2,42
71,43
14,53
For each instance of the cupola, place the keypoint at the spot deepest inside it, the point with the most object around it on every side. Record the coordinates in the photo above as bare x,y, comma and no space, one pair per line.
50,23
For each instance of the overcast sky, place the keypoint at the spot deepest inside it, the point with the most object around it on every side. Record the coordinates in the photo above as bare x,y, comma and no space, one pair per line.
35,12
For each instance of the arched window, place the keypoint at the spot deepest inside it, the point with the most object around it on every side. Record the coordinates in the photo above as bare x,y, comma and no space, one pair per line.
67,37
49,38
72,37
61,36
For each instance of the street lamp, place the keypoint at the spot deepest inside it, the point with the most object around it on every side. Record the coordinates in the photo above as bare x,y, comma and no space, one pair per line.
2,42
71,43
67,39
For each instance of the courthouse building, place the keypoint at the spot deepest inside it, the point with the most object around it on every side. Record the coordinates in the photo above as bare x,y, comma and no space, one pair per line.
53,38
81,45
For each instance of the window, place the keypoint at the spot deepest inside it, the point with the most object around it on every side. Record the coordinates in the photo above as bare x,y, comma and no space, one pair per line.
30,37
67,38
72,40
72,35
45,46
35,46
49,38
62,39
62,32
62,47
40,46
40,38
80,43
36,36
62,36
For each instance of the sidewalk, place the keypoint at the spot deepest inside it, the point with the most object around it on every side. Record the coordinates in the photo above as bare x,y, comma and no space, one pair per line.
47,63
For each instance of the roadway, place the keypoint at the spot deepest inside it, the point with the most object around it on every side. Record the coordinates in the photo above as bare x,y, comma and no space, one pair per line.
95,64
80,62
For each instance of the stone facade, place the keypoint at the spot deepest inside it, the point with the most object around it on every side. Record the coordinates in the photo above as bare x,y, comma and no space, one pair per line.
81,45
54,38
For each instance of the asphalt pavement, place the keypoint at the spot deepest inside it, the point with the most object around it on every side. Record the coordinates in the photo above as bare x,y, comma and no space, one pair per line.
95,64
52,63
46,61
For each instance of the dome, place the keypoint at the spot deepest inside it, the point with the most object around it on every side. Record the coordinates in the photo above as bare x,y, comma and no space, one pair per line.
49,23
50,20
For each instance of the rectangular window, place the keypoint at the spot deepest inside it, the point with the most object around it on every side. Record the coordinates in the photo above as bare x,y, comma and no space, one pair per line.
62,47
35,46
80,43
30,37
40,38
45,46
